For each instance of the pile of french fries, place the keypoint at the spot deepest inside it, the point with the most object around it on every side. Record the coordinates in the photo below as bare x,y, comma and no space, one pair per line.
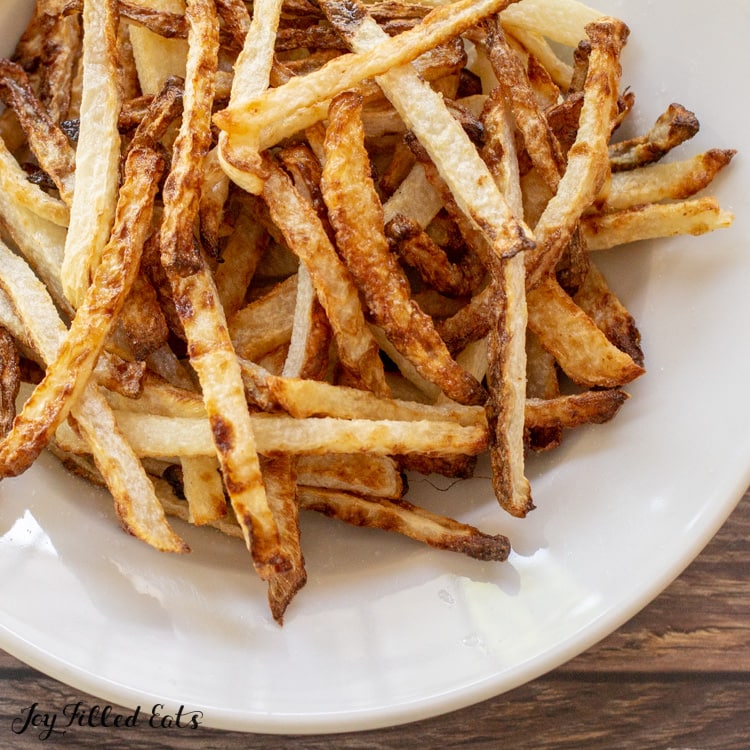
267,257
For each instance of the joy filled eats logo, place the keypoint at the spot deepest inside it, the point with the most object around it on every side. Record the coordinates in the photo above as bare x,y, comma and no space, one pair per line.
34,719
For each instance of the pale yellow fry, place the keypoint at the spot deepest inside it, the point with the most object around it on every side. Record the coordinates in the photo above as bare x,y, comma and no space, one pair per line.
415,197
506,342
97,153
157,58
136,503
308,398
14,180
166,437
300,398
240,156
40,241
203,488
694,216
562,21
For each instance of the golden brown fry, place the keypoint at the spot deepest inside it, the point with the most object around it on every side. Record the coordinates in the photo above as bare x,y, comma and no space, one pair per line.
540,143
357,217
401,516
581,349
67,376
279,475
660,182
142,319
587,160
572,410
48,142
203,489
57,65
597,300
675,126
360,473
417,249
179,252
240,256
10,378
196,301
266,323
306,236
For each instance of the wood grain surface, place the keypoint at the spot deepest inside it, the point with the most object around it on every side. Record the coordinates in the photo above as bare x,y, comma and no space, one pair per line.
676,676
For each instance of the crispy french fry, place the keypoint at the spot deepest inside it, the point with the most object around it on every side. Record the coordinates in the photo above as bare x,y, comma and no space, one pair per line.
357,217
417,523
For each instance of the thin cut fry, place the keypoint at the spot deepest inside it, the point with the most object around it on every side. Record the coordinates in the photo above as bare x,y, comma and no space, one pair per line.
92,209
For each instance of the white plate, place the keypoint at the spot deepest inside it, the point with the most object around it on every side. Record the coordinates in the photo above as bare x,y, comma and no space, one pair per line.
386,631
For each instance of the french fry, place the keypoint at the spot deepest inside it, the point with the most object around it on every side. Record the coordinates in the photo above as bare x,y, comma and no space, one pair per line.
154,436
356,215
673,127
360,473
662,182
693,216
506,338
97,155
280,478
406,518
10,378
588,158
196,300
581,349
45,137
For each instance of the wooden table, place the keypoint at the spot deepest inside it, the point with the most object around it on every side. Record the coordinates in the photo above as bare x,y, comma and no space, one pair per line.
676,676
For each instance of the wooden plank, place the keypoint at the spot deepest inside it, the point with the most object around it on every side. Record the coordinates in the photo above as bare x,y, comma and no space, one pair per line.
700,623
